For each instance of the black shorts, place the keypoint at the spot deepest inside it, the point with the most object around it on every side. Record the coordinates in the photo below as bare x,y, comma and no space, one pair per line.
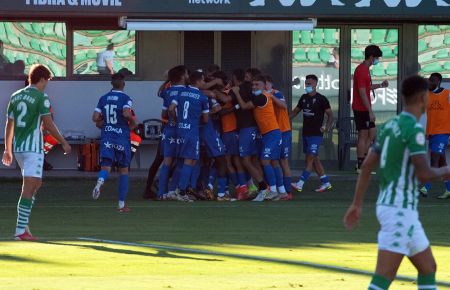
362,120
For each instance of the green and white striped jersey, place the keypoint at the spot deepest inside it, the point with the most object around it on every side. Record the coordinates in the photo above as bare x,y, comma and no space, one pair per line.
399,139
26,107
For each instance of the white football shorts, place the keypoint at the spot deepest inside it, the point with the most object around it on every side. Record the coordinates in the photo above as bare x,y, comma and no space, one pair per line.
401,231
31,163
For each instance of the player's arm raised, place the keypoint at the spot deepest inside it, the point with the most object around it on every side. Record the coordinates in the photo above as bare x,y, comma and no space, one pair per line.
280,103
353,214
50,126
7,158
242,104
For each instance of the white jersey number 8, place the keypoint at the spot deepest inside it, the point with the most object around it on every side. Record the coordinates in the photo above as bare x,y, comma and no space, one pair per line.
185,110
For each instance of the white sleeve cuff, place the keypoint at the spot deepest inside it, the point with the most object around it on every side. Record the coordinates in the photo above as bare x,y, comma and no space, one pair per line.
98,110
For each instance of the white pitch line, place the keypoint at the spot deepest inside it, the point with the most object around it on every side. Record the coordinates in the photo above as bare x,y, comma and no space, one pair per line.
168,205
250,257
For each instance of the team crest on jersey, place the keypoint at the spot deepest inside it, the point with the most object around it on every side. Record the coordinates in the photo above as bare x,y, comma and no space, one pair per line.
420,138
47,103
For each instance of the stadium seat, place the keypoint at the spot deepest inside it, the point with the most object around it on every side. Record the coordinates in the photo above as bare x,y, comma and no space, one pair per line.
437,41
324,54
81,40
313,56
3,36
432,28
431,68
296,37
31,59
362,36
35,44
447,39
443,53
101,41
44,47
37,28
120,37
422,45
425,57
330,36
306,37
392,36
353,67
24,41
55,50
444,28
10,55
91,54
123,51
60,30
387,52
133,51
300,55
12,34
447,65
27,27
392,69
79,57
131,65
49,29
318,36
378,71
357,54
379,36
421,30
396,50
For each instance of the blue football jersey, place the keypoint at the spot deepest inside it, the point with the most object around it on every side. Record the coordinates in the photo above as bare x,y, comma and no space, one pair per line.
211,126
168,96
191,104
111,107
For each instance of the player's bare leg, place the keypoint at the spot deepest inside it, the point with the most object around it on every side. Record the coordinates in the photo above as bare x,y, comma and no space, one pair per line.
426,268
361,146
386,270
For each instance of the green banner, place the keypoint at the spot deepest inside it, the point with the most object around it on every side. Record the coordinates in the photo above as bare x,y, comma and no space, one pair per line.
237,8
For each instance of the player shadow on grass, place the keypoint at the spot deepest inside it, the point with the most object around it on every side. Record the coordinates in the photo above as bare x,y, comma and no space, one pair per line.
17,259
159,254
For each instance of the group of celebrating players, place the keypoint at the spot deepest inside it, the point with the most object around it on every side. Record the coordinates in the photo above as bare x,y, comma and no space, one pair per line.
234,131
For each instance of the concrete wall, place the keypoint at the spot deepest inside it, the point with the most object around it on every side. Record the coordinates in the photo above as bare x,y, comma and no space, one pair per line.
73,103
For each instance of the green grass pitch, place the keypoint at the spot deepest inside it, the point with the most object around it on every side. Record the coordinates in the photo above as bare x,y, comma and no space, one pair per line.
203,245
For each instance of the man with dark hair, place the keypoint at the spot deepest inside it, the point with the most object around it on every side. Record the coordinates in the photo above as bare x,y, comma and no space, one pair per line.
250,73
188,109
282,115
178,77
248,132
264,114
314,107
401,155
438,127
362,104
115,111
28,110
